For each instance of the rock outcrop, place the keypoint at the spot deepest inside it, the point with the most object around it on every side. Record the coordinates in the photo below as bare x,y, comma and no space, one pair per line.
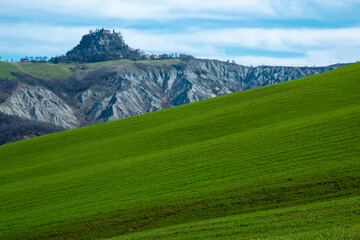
40,104
99,45
150,88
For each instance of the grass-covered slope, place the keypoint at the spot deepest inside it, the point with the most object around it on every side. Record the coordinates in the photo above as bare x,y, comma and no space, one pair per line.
281,161
42,70
47,70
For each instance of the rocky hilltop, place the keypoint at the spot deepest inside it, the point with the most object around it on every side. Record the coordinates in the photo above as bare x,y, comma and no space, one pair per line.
98,92
100,45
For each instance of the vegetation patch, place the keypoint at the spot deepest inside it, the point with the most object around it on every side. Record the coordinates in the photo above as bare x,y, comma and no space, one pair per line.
7,68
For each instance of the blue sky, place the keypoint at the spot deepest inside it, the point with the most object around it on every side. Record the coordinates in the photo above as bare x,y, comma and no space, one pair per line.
251,32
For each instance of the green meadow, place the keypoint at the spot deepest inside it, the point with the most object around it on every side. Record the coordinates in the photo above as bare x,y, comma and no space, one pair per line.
65,70
126,62
277,162
41,70
7,68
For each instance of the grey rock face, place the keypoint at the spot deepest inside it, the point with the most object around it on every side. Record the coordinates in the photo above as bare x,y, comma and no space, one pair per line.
38,103
141,88
151,88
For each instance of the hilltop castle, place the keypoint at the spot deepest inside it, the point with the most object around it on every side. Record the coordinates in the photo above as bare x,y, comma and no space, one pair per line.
105,45
100,45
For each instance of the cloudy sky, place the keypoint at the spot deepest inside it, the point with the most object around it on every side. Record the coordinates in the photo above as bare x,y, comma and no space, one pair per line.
251,32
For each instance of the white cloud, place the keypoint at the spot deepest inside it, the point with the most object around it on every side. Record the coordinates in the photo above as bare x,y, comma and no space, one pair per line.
251,6
38,40
283,39
47,33
319,46
143,9
312,58
170,9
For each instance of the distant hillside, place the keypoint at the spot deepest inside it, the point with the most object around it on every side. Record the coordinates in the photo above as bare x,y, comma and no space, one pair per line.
74,95
276,162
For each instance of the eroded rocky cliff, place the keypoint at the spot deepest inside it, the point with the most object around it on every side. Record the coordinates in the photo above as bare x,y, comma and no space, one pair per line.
114,90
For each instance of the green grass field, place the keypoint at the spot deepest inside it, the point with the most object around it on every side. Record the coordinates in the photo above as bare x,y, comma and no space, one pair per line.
126,62
332,220
277,162
47,70
41,70
7,68
63,70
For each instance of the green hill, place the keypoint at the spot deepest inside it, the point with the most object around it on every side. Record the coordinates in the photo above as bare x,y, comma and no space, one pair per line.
65,70
42,70
277,162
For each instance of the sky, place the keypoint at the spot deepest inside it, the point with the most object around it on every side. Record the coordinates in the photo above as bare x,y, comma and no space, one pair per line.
249,32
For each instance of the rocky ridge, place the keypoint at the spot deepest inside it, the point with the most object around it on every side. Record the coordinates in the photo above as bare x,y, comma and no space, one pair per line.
116,91
99,45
